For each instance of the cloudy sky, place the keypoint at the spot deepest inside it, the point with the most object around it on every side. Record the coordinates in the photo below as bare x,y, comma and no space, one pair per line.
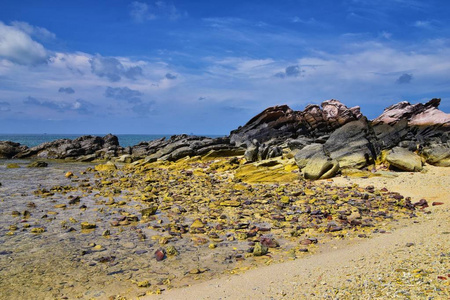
206,67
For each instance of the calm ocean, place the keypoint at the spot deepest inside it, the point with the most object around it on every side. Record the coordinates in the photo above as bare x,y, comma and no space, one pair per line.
125,140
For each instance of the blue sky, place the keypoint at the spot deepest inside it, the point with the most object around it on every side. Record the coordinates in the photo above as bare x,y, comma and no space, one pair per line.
206,67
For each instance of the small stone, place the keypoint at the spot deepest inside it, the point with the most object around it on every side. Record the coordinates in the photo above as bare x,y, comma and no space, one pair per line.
106,233
38,164
171,251
87,225
197,224
260,250
149,211
38,230
409,244
437,203
69,174
160,255
232,203
144,283
269,242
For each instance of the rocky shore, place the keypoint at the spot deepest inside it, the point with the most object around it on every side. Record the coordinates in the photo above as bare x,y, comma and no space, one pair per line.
130,222
325,140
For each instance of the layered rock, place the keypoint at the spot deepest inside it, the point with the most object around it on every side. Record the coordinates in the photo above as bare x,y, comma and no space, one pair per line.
416,114
86,147
279,123
179,146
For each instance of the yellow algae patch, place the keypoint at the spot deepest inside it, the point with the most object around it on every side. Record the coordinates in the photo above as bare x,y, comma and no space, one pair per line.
254,174
106,167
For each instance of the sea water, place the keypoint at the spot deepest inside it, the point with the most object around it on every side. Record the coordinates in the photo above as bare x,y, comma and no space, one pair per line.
125,140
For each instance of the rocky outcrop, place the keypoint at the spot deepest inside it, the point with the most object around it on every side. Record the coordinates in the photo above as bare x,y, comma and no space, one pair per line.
179,146
10,149
350,146
86,147
276,124
353,145
416,114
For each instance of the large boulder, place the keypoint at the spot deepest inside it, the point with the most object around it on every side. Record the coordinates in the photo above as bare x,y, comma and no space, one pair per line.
320,166
306,153
437,154
353,145
403,159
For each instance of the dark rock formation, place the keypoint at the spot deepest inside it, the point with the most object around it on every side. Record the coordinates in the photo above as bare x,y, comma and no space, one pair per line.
276,125
10,149
281,122
93,147
179,146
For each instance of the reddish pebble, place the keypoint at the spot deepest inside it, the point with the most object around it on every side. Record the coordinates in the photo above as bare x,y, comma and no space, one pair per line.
160,255
437,203
442,277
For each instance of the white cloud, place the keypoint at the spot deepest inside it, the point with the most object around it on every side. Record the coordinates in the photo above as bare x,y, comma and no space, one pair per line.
34,31
142,11
18,47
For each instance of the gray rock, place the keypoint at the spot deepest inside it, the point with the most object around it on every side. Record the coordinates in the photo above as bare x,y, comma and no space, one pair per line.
353,145
404,160
320,166
437,154
251,154
303,156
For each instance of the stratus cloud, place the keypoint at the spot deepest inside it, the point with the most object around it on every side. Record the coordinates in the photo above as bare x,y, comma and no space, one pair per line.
113,69
17,46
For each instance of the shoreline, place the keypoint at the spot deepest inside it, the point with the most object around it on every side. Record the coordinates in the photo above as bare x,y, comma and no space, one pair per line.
374,268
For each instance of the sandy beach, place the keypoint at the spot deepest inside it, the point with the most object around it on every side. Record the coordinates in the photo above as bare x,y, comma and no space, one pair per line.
410,260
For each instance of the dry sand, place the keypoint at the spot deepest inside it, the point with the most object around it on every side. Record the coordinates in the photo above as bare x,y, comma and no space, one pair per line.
411,260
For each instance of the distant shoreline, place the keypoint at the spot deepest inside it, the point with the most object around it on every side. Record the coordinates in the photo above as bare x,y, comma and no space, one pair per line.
125,140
